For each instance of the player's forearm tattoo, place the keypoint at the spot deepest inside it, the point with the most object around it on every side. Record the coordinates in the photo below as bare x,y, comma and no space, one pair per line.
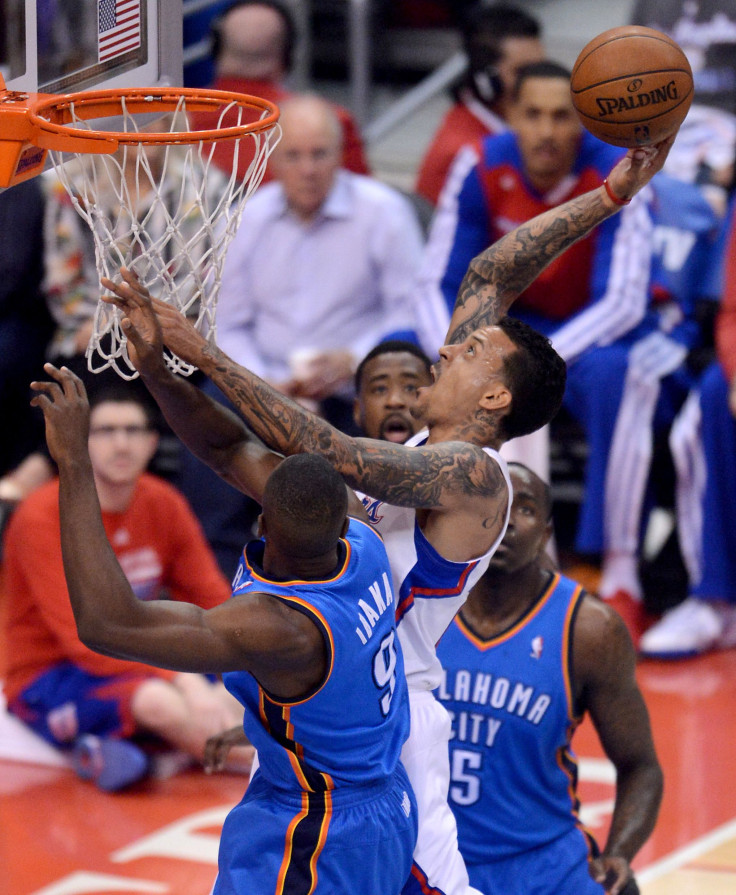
426,477
498,275
412,478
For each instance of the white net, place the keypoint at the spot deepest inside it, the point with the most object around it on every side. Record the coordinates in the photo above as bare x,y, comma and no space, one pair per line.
168,212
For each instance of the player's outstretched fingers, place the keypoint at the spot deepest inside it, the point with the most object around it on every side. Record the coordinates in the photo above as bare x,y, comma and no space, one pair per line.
119,294
62,381
131,278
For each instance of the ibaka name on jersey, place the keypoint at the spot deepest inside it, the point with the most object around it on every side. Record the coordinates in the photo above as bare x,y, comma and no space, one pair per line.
372,608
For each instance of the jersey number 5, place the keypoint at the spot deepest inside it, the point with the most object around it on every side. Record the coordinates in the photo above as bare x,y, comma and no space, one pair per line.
465,789
384,671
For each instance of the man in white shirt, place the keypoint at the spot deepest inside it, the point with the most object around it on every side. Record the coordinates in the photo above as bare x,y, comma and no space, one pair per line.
322,266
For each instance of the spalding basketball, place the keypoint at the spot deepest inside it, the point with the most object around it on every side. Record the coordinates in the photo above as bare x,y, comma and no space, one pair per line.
632,86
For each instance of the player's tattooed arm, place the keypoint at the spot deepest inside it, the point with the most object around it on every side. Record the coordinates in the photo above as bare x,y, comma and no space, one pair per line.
499,274
437,476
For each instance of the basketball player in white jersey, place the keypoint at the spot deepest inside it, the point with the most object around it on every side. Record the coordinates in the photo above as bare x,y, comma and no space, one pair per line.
442,507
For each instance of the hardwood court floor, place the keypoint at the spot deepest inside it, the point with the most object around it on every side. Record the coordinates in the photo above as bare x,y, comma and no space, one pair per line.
59,836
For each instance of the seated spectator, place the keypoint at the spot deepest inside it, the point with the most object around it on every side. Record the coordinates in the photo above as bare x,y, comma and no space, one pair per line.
527,656
321,269
704,445
253,46
497,40
72,697
592,301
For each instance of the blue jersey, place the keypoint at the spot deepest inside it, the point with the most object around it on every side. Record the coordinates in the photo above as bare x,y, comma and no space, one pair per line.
513,774
350,730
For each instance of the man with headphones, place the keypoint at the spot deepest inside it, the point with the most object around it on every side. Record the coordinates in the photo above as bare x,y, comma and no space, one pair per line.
253,44
497,40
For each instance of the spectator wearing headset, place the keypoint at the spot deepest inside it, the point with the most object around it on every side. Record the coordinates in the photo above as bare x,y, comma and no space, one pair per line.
498,40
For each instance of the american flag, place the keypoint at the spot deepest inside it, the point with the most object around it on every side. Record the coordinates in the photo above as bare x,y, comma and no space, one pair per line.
119,27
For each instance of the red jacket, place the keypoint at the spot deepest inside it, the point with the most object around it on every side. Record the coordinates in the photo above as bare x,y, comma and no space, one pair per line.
726,322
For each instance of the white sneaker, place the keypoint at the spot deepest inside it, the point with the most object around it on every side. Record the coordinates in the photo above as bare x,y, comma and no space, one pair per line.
693,627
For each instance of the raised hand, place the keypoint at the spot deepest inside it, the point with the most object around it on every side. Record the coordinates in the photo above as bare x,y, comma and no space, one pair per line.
150,323
637,168
65,407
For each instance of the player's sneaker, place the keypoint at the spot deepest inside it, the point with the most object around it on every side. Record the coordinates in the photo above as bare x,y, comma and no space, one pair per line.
693,627
109,763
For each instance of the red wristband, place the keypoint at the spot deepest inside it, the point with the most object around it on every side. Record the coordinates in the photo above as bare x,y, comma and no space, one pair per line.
617,200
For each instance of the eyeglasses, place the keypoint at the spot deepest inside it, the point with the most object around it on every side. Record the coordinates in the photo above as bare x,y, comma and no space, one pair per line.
111,431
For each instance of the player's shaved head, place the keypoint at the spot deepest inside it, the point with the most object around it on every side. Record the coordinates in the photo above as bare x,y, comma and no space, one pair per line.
304,505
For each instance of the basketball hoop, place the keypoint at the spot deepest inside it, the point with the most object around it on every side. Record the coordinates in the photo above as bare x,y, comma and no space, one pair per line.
154,200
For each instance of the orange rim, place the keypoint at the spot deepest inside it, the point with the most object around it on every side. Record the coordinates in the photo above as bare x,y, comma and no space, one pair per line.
56,134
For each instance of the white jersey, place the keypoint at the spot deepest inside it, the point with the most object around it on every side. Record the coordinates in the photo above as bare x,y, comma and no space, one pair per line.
430,589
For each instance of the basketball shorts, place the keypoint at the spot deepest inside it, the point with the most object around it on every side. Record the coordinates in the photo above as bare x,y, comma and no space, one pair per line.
66,702
438,866
350,840
559,868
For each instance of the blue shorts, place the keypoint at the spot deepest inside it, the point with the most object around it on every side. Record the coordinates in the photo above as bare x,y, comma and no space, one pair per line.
66,702
559,868
350,840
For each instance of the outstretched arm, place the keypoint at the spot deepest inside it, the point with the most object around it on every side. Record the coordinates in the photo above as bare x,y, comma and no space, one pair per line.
209,430
604,672
443,476
253,632
497,276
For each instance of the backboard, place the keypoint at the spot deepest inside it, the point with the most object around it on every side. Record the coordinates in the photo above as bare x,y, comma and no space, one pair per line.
60,46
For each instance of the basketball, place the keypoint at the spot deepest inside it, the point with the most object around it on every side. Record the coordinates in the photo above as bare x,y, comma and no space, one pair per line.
632,86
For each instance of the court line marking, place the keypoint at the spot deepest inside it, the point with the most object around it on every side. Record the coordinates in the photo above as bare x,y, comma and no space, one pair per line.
687,853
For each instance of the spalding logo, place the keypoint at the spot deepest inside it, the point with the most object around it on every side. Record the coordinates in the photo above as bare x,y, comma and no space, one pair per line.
608,105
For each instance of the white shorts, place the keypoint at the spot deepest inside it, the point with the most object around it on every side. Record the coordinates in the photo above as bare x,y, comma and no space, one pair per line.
427,761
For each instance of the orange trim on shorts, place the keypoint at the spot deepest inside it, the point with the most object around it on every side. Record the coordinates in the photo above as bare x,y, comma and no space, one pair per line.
289,843
324,827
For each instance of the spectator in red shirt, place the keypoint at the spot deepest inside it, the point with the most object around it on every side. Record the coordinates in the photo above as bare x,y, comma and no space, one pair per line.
498,40
77,699
253,47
